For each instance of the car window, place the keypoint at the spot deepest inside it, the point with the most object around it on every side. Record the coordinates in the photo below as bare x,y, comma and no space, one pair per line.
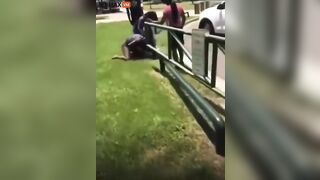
221,6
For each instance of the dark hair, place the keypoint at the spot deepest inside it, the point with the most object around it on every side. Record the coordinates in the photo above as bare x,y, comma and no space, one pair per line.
175,15
151,15
174,9
139,2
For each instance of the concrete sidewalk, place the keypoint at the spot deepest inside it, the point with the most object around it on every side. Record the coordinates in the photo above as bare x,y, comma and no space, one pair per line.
220,80
122,16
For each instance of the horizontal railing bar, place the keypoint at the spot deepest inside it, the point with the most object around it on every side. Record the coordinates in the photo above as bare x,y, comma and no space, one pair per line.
204,105
168,28
213,116
171,61
185,69
202,80
215,37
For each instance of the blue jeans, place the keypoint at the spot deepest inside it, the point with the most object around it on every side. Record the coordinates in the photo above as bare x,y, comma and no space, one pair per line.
135,28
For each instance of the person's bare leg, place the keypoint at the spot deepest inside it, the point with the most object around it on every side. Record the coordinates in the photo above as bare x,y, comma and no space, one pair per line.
125,52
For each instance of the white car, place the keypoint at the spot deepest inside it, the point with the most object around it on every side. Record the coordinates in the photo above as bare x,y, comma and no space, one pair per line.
213,19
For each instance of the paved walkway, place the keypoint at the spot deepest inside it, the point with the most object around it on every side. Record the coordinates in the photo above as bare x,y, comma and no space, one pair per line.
122,16
220,83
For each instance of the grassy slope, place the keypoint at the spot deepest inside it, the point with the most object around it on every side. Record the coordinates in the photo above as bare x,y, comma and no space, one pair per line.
143,129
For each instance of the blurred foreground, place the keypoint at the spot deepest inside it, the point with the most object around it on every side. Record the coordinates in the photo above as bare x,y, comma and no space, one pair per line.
47,91
272,76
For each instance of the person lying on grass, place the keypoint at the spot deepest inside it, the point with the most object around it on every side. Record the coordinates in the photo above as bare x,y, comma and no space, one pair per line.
135,47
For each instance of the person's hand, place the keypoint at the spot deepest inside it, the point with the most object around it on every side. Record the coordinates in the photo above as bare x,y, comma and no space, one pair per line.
119,57
156,22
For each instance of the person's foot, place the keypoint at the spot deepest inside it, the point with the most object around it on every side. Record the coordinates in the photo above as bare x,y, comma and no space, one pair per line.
119,57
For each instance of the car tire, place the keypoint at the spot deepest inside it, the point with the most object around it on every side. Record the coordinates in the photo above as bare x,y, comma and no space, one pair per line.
207,25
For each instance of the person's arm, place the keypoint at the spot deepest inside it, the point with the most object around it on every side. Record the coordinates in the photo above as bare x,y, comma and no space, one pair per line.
129,15
183,18
125,53
141,22
163,19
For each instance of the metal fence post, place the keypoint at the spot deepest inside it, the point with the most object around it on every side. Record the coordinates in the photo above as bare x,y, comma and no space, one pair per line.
162,64
217,41
169,45
214,64
206,59
220,141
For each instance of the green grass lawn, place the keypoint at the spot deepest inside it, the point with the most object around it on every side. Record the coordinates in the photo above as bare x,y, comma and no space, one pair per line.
160,6
143,130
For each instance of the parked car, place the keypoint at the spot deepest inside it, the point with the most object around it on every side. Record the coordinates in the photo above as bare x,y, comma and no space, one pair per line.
213,19
103,6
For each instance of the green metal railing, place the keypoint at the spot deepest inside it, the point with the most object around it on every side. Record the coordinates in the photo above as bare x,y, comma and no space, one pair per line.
217,42
210,116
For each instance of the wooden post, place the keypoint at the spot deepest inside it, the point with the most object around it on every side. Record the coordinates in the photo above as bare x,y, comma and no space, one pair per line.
202,6
207,4
197,8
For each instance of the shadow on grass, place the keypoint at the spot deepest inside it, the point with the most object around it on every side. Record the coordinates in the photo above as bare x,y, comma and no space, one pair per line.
148,56
131,60
169,161
156,166
160,161
194,111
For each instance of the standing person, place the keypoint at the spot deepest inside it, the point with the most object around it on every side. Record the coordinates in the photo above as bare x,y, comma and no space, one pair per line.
173,15
134,13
